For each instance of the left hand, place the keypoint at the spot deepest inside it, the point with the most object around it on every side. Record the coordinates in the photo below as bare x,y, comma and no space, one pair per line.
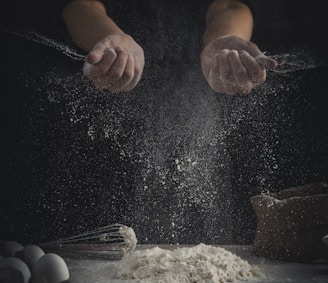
115,63
232,65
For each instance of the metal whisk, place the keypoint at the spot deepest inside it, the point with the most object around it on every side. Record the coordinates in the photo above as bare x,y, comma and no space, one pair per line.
111,242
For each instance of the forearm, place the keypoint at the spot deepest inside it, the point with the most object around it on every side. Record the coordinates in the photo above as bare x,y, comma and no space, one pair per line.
228,17
87,22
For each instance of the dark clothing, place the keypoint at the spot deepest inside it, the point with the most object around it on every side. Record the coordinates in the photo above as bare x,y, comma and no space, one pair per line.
288,22
167,30
163,28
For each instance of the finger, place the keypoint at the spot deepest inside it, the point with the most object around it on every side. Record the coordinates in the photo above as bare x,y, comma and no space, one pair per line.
226,74
105,64
255,71
266,62
100,83
127,76
211,71
239,72
252,48
89,70
117,69
138,68
101,68
96,53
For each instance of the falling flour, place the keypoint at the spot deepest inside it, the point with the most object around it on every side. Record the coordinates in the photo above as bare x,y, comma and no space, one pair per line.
201,263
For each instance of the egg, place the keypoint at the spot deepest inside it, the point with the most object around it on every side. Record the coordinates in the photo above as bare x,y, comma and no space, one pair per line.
17,264
50,268
9,248
30,255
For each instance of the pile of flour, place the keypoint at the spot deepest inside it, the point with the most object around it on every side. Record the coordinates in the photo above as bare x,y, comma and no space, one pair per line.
201,263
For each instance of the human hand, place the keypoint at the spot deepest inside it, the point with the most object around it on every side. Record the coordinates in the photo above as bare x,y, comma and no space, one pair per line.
115,63
232,65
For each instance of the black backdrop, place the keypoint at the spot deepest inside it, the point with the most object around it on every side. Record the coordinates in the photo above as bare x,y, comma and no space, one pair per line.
171,158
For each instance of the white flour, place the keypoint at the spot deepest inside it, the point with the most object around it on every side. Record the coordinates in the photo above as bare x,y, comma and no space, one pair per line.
201,264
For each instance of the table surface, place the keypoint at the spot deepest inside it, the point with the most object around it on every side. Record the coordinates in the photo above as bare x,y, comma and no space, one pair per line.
95,269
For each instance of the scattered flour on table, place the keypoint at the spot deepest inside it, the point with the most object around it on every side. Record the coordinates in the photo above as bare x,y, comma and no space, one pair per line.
201,263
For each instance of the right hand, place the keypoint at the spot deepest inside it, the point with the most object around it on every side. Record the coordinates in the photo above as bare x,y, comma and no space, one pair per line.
232,65
115,63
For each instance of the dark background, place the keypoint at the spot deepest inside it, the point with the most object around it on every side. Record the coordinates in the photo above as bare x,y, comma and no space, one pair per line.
171,158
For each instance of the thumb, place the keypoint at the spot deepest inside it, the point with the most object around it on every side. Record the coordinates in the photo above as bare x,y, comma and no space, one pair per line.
96,53
266,62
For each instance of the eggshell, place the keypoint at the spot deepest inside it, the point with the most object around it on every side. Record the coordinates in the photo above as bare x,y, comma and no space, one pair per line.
9,248
30,255
17,264
50,267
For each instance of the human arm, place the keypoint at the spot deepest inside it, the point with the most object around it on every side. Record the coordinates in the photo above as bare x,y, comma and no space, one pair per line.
115,61
231,63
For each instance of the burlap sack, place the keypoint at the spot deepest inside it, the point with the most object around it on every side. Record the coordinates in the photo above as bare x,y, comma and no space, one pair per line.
292,223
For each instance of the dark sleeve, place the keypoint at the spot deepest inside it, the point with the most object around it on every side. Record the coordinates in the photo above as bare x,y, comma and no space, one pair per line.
33,14
43,17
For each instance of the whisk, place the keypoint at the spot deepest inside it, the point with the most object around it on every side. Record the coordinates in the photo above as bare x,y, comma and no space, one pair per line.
112,242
